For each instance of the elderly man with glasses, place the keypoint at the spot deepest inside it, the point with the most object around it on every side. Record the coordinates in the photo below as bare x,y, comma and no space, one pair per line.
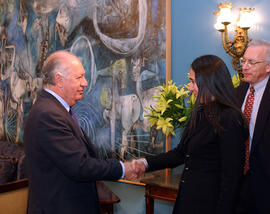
254,94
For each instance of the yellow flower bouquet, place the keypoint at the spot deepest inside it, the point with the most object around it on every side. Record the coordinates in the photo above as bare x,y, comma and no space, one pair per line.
173,108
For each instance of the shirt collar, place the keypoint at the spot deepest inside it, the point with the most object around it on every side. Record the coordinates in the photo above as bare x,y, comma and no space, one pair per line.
60,99
261,84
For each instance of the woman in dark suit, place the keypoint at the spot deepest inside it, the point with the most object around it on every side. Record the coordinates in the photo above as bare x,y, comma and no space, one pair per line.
212,146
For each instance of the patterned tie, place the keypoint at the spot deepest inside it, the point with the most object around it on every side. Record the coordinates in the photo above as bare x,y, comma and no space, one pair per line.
74,116
247,112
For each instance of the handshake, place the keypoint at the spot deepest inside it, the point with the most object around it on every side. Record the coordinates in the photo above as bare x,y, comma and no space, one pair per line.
134,169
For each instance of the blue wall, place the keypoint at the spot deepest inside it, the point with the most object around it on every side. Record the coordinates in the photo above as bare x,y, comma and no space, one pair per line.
193,35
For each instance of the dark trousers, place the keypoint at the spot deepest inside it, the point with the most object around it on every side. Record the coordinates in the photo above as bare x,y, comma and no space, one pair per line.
246,203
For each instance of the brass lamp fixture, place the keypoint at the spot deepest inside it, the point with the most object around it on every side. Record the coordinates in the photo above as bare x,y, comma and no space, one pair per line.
244,21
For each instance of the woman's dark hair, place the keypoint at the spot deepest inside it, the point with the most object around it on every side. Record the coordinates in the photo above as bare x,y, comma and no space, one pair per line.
215,89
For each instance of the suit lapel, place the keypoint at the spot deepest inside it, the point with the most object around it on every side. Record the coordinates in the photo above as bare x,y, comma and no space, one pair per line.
83,137
262,115
89,144
78,131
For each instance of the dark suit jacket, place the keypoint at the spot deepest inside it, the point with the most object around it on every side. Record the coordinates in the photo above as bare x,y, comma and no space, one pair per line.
213,165
259,172
62,162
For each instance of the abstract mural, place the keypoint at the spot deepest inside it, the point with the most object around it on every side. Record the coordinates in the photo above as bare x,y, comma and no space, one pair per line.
122,45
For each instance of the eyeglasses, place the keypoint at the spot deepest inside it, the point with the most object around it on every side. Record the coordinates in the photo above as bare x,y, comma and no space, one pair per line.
250,62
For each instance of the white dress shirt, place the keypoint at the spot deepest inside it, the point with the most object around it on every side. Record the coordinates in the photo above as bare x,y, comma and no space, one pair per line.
259,90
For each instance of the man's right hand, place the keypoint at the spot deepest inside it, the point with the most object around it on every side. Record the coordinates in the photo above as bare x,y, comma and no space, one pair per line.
134,169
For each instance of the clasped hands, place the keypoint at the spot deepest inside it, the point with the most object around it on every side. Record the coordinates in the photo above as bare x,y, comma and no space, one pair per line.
134,169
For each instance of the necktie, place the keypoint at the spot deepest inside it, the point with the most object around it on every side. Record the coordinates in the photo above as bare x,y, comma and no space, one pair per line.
74,116
247,112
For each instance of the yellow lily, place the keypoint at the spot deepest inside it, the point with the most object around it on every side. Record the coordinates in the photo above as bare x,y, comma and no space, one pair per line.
192,99
236,80
164,124
163,105
182,119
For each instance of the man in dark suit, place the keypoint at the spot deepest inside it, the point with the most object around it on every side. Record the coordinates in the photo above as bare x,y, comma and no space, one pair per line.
256,70
63,167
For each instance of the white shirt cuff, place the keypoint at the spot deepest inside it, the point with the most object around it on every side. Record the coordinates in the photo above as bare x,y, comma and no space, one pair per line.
123,169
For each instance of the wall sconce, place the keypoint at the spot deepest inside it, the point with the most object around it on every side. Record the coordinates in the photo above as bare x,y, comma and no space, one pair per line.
244,21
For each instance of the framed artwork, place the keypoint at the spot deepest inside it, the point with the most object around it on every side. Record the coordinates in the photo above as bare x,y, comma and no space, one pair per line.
124,46
123,80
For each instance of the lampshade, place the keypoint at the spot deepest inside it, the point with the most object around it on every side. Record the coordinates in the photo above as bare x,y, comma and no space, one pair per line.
225,15
219,26
246,18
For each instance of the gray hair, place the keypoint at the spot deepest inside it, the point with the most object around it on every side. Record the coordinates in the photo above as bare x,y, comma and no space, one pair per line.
264,43
55,63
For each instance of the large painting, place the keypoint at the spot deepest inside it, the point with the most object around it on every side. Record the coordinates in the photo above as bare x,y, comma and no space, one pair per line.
123,45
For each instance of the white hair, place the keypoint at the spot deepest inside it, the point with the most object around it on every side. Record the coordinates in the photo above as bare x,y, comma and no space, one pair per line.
261,42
